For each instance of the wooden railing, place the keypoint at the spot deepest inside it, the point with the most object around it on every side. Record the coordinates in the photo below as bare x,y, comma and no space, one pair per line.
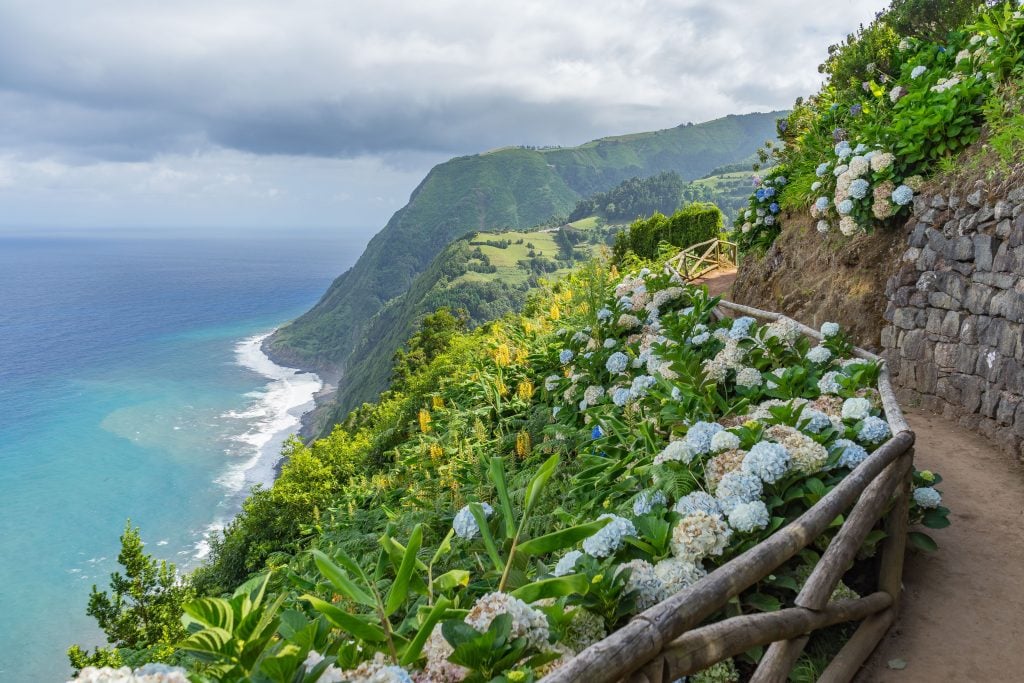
702,258
667,642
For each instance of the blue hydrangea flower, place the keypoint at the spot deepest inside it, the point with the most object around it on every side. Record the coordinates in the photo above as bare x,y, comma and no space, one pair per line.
749,517
781,181
741,327
873,430
700,434
676,393
918,70
859,188
610,538
821,170
819,354
843,149
829,384
844,207
902,195
853,453
767,461
821,204
620,396
604,314
700,338
927,497
641,384
616,362
566,356
567,564
829,329
646,501
814,421
769,220
856,110
773,207
596,432
698,501
860,149
769,192
736,488
609,343
840,170
465,525
759,194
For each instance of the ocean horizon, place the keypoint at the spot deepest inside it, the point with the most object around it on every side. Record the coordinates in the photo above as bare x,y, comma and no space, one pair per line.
133,386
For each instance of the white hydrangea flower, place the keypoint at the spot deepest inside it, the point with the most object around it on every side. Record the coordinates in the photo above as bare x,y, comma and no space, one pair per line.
829,329
593,394
465,525
677,451
567,564
819,354
767,461
784,330
823,226
918,70
848,226
698,501
644,584
646,501
927,497
749,378
376,670
856,409
828,384
677,574
438,669
610,538
551,382
724,441
737,487
526,622
150,673
858,166
747,517
806,454
699,535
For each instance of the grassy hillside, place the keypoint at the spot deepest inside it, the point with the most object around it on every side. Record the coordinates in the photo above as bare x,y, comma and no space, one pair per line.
510,188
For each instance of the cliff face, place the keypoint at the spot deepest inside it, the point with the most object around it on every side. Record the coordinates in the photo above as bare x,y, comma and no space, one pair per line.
509,188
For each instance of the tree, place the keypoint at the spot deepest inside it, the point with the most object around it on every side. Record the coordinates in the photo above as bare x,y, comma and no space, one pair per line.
142,611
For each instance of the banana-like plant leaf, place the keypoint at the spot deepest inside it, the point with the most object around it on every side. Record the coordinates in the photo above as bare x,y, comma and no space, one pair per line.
449,580
415,646
564,538
492,550
341,581
211,613
444,548
209,645
400,588
536,485
556,587
497,472
350,623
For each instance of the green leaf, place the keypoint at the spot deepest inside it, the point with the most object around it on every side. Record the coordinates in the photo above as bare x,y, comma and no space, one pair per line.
935,519
762,602
415,647
444,548
922,541
558,540
341,581
355,625
452,579
209,645
400,588
497,472
573,584
211,612
536,485
485,532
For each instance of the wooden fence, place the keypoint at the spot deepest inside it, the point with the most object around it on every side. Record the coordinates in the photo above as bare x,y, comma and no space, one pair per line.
702,258
667,641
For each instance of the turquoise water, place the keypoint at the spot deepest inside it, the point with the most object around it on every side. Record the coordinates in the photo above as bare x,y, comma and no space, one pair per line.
132,386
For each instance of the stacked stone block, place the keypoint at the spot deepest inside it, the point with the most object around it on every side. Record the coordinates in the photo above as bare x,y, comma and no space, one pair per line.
955,334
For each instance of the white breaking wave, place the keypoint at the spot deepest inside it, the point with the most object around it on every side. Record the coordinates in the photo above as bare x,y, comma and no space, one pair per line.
275,412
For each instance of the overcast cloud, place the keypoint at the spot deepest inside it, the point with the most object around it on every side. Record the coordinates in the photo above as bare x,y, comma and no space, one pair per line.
327,113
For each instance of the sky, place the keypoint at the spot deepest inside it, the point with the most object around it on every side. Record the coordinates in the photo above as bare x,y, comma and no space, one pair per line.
199,115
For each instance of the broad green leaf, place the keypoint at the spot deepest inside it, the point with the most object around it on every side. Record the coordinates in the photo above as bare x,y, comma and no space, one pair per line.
341,581
922,541
415,647
573,584
558,540
762,602
209,645
536,485
211,612
452,579
444,548
497,471
350,623
485,532
400,588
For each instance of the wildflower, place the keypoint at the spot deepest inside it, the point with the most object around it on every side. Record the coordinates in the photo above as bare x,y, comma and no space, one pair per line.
609,538
902,195
873,430
767,461
676,451
829,329
747,517
699,535
526,622
856,409
927,497
918,70
736,488
859,188
596,432
567,564
852,454
465,525
643,583
565,356
698,501
646,501
677,574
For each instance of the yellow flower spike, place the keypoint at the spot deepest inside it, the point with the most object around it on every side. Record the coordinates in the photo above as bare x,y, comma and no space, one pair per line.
501,387
424,419
522,356
523,444
437,401
614,272
436,451
502,356
554,313
525,390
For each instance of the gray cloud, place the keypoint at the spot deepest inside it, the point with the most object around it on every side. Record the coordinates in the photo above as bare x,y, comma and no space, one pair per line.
119,81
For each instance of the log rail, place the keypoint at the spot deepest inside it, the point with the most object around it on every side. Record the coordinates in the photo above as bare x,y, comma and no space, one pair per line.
667,641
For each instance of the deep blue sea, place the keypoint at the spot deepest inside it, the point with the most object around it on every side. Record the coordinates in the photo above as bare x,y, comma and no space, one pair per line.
132,386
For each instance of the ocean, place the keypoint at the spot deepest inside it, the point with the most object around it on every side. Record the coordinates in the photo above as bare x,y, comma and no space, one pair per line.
132,386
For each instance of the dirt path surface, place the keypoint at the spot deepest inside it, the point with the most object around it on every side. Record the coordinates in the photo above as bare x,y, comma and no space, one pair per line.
718,282
962,617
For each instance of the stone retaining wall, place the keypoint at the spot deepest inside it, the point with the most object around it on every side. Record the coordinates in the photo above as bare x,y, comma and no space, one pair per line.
954,337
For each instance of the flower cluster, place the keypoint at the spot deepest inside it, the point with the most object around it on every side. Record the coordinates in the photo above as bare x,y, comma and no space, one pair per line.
150,673
610,538
465,525
526,622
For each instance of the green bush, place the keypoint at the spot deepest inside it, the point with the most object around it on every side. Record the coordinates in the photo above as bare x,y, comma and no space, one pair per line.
692,224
